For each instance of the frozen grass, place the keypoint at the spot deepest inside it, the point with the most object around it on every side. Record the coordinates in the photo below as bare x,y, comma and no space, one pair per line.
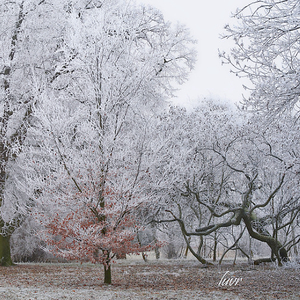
89,293
135,279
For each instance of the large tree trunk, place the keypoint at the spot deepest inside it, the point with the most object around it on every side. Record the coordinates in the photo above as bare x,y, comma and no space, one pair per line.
263,236
107,274
198,256
263,260
5,256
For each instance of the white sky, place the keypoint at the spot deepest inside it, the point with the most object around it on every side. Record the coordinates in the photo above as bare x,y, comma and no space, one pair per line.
206,21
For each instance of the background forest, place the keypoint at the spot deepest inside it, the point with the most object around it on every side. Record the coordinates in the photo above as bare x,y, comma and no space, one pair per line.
97,164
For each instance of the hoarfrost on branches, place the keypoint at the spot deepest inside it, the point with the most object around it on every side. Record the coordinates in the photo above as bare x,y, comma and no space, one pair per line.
267,52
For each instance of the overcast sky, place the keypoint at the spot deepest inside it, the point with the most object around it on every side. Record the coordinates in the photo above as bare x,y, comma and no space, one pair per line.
206,20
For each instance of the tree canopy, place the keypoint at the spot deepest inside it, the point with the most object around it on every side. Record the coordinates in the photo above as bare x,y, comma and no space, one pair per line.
266,37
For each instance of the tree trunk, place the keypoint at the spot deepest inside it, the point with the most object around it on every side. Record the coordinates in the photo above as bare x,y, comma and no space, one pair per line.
157,253
200,244
144,256
187,249
277,249
107,274
263,260
215,249
199,258
5,256
156,249
295,246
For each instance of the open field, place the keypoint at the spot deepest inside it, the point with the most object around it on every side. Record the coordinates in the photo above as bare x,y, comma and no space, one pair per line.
135,279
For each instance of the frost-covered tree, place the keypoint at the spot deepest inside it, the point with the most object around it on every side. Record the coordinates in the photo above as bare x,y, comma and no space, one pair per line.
266,37
30,31
227,174
81,229
118,65
183,160
266,51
